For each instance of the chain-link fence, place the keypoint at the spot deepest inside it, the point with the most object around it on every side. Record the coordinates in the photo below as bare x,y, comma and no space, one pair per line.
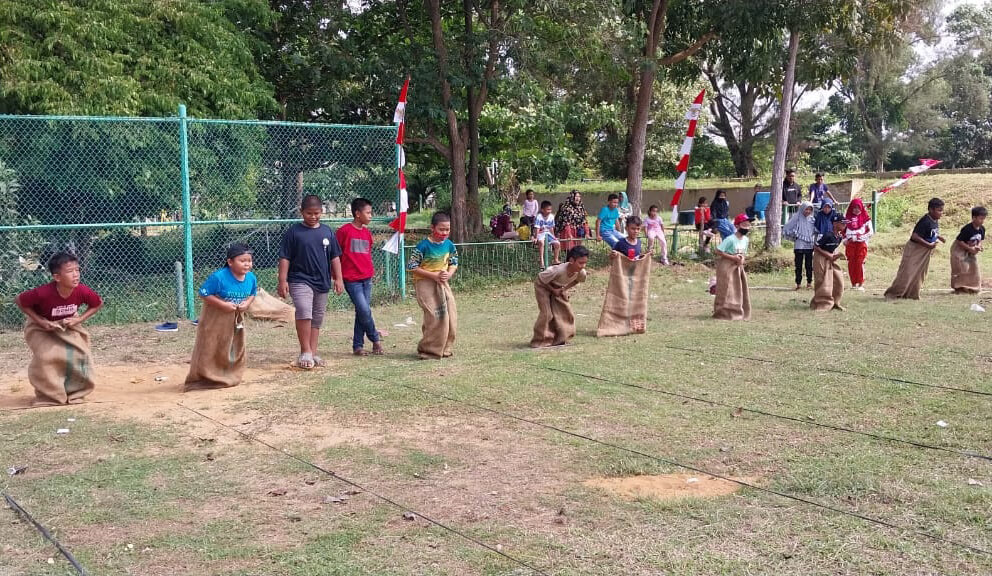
149,205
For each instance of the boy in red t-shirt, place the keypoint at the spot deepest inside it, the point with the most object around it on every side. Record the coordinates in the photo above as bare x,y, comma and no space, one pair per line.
60,370
355,241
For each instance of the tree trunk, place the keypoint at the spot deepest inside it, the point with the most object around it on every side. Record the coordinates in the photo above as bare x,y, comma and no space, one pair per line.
459,211
639,137
773,232
473,209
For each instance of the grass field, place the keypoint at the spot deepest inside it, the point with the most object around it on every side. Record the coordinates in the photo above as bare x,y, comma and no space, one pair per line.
499,443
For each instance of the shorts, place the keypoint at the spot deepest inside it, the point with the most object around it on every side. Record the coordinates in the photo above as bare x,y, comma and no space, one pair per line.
310,304
548,238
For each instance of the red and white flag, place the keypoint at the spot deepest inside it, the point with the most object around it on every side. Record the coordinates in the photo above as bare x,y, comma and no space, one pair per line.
924,165
692,115
399,224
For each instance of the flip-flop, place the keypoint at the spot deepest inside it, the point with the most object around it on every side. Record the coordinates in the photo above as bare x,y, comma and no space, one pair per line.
318,362
360,352
377,350
305,361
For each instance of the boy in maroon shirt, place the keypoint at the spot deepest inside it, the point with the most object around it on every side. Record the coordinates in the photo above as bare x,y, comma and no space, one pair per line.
355,241
61,368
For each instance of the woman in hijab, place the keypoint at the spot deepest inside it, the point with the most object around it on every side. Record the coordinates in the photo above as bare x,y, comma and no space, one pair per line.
856,241
572,221
625,209
824,221
800,230
720,211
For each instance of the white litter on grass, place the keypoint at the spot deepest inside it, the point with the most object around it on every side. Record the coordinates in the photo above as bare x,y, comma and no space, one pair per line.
70,419
161,378
692,480
583,315
62,431
941,423
409,320
689,280
654,296
977,308
400,326
973,482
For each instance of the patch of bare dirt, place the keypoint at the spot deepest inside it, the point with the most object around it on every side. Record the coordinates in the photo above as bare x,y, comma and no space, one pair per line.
667,486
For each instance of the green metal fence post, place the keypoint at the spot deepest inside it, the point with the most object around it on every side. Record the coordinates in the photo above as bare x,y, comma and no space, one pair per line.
187,216
874,210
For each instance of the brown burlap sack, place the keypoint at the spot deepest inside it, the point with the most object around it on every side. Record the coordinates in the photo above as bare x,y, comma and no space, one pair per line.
219,353
733,299
61,368
912,272
265,306
625,308
828,284
555,321
440,319
965,274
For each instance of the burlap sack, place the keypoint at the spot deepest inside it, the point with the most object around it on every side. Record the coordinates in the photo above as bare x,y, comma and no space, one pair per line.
733,299
965,274
219,353
912,272
265,306
61,368
828,284
555,321
625,308
440,319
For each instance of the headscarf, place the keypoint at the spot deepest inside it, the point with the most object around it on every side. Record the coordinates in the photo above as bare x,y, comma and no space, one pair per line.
571,211
625,207
800,227
856,222
720,207
824,223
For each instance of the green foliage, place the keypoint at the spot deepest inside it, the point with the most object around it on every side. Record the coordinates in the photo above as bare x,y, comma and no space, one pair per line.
126,57
893,211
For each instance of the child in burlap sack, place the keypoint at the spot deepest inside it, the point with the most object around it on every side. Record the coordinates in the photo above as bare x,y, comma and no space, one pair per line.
916,254
966,278
61,368
219,353
733,299
433,263
555,324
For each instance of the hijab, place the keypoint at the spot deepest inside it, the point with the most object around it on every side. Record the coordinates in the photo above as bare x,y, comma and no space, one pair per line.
571,211
824,221
800,226
856,222
625,207
720,207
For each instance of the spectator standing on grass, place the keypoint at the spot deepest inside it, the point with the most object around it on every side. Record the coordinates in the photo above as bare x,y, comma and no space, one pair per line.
309,261
357,269
606,221
819,192
572,221
856,236
530,209
801,230
792,192
219,354
916,254
720,210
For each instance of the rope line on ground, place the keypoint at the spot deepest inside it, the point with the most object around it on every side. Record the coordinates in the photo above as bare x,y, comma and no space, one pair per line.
41,529
866,518
363,488
895,345
773,414
835,371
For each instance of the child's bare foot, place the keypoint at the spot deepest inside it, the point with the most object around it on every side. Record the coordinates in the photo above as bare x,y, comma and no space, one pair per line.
318,362
377,349
360,352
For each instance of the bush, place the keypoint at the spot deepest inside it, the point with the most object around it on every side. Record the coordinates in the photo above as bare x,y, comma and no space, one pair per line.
891,212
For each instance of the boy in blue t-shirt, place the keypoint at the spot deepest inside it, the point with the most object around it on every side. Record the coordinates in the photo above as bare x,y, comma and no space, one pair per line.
219,353
631,245
606,221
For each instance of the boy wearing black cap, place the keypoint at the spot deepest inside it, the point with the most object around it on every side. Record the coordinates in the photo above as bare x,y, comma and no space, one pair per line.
828,280
219,353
